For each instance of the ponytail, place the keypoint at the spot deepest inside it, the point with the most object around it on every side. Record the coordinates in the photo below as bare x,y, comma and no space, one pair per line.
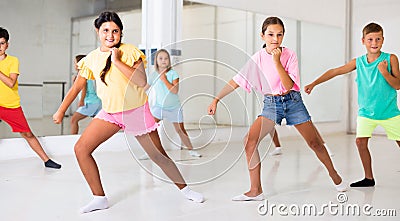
107,67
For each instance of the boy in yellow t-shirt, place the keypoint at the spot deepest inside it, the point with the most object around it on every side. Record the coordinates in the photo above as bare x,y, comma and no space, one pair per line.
10,107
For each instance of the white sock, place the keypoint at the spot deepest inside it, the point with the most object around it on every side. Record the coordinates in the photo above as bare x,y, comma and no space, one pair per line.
192,195
276,151
98,203
341,187
194,153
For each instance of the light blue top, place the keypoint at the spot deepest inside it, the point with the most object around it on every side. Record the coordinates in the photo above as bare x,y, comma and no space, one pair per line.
164,98
376,98
91,95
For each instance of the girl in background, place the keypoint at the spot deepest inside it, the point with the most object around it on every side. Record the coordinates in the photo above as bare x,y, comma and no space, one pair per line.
166,106
89,103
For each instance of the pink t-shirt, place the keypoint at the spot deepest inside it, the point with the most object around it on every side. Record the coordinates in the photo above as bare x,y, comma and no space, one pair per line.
260,73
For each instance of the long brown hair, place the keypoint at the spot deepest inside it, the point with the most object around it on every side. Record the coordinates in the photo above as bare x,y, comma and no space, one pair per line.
108,17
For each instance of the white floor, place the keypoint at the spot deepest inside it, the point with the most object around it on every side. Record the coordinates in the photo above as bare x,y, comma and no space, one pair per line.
294,179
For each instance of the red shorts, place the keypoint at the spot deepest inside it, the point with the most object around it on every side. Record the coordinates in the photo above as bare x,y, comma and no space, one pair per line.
15,118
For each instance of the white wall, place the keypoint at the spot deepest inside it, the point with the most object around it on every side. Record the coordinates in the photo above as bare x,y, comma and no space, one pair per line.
40,36
326,12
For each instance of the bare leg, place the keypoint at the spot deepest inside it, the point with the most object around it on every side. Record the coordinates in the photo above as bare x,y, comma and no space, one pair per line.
260,128
323,142
309,133
76,117
35,145
96,133
152,145
180,129
275,138
365,156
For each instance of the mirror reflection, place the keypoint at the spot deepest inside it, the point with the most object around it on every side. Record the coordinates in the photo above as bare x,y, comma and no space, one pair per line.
47,46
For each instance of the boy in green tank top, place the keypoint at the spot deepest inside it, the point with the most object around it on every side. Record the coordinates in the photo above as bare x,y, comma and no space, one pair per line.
378,78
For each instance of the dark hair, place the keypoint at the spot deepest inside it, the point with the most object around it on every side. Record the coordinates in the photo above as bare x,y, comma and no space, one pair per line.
4,33
155,59
79,57
372,28
108,17
271,21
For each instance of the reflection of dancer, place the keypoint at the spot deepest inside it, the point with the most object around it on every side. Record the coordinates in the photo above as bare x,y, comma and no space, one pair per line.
378,77
165,83
119,72
89,103
278,148
279,67
10,107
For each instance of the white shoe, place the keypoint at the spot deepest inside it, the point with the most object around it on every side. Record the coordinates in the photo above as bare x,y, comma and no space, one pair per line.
243,197
144,157
276,151
341,187
194,153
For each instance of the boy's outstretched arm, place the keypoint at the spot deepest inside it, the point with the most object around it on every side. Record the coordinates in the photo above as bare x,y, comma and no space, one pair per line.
393,78
331,73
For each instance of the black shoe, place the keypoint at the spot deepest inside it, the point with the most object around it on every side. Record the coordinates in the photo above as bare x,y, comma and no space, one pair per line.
52,164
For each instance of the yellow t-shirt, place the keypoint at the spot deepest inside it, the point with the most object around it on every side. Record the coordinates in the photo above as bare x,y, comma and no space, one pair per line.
120,94
9,97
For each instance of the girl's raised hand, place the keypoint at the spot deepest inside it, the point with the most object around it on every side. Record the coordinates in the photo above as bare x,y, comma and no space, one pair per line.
115,54
276,54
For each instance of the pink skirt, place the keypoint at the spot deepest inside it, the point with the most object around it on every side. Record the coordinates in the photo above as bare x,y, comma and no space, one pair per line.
137,121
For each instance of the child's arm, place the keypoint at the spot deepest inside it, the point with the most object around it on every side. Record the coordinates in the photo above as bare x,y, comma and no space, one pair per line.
9,81
136,73
331,73
228,88
394,78
283,75
145,88
79,83
83,95
173,87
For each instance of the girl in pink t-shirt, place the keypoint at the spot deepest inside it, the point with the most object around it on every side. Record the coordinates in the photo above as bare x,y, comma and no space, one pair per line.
273,71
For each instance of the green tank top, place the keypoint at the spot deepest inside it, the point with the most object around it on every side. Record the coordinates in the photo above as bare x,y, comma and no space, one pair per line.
376,98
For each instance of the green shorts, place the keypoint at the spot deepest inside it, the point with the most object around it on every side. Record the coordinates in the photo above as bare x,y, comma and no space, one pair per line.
366,126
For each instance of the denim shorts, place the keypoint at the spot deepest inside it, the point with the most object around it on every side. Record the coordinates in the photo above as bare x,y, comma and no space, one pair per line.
289,106
89,110
173,116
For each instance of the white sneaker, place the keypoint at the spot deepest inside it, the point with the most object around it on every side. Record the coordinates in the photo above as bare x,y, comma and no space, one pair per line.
276,151
194,153
243,197
144,157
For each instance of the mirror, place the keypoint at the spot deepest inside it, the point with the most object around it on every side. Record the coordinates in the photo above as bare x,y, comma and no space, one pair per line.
46,46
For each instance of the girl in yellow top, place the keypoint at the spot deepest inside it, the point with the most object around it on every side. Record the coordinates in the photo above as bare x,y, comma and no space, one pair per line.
120,77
